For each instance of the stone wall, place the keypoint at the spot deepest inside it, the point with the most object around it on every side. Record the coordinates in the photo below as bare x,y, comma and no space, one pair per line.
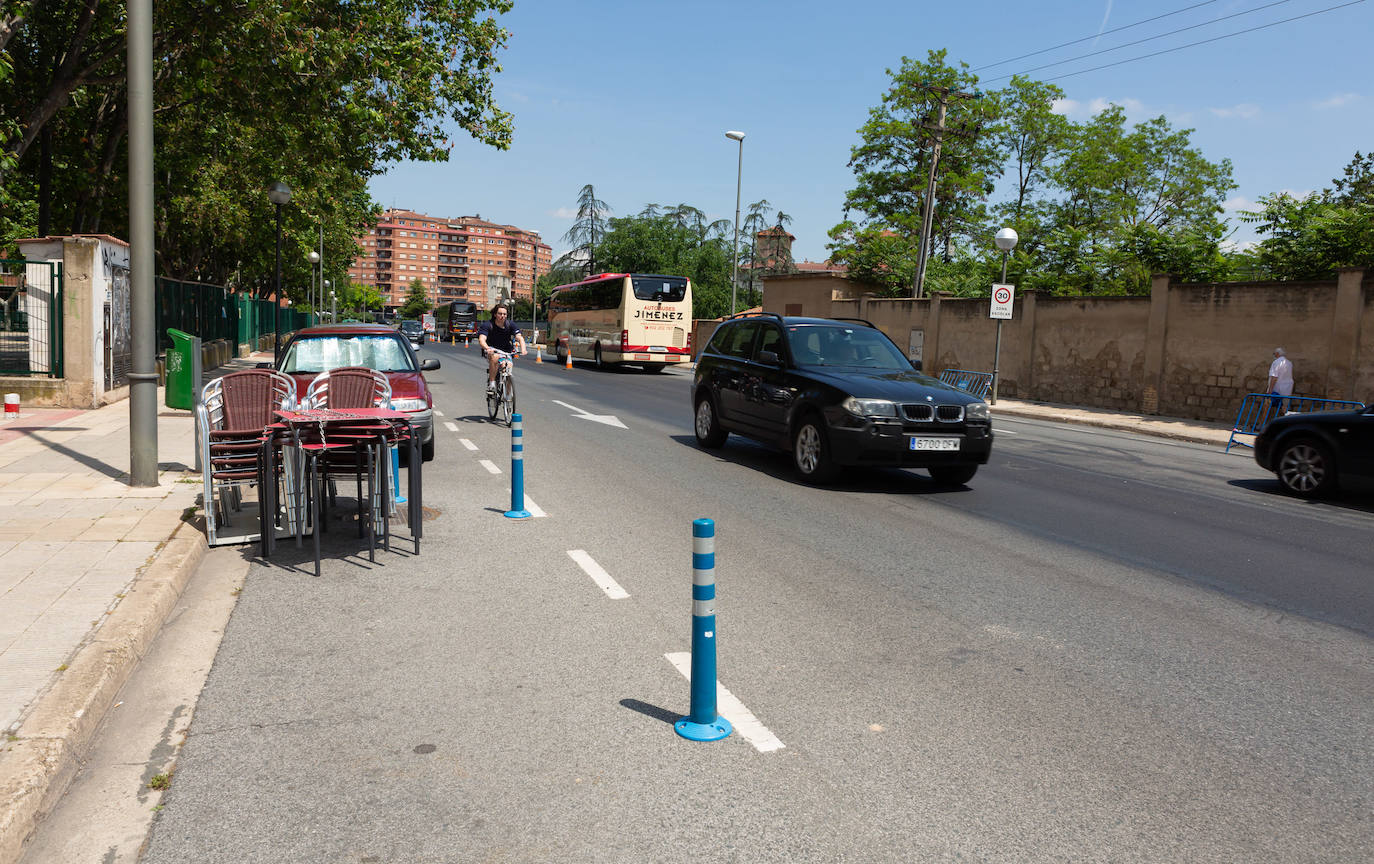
1186,350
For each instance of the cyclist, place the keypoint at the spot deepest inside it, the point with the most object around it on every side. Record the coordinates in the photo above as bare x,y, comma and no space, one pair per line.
500,334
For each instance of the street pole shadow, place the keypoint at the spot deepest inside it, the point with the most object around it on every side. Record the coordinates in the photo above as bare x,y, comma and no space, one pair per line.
657,713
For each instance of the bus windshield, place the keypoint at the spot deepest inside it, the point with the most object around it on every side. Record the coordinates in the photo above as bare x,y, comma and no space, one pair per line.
663,289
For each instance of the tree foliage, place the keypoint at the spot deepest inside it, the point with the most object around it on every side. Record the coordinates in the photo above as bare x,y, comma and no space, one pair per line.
417,300
319,95
588,227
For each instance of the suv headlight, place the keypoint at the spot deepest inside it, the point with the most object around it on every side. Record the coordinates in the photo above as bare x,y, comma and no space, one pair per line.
977,411
408,404
870,407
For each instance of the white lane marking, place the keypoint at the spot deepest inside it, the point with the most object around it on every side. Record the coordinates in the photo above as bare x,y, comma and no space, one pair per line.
599,576
468,444
744,721
1001,431
533,508
438,413
608,419
489,465
450,426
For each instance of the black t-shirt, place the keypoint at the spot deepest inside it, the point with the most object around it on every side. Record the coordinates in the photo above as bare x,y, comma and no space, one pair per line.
502,338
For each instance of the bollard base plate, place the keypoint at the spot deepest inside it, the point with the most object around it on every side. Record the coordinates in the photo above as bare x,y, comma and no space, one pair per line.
518,514
703,731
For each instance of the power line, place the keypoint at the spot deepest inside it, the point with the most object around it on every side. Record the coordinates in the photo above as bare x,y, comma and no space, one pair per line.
1205,41
1098,35
1148,39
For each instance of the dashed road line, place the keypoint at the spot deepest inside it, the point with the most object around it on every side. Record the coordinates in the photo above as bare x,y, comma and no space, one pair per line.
468,444
599,575
450,426
489,465
438,413
533,509
744,721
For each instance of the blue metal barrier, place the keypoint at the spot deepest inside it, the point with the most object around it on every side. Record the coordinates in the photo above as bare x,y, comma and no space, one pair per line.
976,383
1257,409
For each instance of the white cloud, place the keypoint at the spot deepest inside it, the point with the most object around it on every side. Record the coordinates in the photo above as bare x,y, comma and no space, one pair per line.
1238,245
1340,100
1243,111
1072,108
564,213
1237,202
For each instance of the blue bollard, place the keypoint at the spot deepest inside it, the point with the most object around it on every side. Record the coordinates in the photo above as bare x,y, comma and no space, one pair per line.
396,496
703,723
517,470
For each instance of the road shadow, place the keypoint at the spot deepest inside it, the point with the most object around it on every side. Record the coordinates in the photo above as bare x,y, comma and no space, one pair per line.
1354,495
778,465
657,713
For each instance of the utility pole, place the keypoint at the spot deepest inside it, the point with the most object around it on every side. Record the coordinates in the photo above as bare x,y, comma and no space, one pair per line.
928,210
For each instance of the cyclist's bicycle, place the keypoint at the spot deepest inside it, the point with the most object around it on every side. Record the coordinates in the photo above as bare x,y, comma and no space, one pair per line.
502,399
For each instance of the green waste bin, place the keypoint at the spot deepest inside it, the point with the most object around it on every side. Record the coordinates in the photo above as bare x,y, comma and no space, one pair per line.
183,370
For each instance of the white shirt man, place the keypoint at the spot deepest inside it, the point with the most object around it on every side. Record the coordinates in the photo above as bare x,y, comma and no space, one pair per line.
1281,374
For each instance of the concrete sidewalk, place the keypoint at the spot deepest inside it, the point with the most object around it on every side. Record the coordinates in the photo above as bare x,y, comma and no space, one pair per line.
90,568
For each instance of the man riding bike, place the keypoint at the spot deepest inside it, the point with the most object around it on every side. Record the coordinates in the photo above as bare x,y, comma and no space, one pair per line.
499,334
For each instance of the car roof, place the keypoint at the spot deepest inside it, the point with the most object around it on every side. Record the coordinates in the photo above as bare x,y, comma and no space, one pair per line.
345,329
796,319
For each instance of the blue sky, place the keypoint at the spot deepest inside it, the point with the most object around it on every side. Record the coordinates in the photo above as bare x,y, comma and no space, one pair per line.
635,97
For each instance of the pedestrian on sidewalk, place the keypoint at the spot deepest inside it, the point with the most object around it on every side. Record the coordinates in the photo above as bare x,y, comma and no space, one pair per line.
1280,379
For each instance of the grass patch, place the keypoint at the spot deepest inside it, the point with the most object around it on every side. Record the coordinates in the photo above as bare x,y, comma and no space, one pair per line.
160,781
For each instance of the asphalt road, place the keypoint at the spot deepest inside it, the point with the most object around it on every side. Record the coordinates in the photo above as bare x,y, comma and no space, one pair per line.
1060,662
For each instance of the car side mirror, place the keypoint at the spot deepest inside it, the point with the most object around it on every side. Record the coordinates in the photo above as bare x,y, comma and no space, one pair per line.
429,364
769,358
264,366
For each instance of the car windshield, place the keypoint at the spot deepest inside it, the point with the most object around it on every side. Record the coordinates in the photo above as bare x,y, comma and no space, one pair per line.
410,326
318,353
844,345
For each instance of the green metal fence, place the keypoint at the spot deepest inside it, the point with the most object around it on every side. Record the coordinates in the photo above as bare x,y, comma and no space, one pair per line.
213,312
31,318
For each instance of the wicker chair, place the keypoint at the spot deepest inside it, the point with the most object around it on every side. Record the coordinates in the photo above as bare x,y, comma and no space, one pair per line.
233,417
348,387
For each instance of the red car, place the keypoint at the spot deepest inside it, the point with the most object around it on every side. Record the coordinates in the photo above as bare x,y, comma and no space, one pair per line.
317,349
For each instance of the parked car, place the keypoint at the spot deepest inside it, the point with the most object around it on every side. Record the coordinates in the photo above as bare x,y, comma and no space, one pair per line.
414,331
834,393
317,349
1311,453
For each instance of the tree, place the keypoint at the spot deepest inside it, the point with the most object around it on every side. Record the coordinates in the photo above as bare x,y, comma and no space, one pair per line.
892,161
676,244
1309,237
319,95
586,230
417,300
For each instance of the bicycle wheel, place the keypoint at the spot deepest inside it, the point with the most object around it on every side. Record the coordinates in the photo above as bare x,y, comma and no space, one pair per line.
507,397
493,403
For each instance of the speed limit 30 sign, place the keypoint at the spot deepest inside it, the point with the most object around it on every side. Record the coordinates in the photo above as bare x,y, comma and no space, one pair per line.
1002,296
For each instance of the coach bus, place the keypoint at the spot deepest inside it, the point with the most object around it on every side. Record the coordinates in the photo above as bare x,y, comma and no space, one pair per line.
638,319
462,319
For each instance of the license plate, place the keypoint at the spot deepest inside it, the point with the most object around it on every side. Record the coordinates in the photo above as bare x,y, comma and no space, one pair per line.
919,443
657,349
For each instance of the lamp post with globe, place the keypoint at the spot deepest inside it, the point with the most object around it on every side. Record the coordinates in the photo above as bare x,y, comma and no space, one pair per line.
1006,241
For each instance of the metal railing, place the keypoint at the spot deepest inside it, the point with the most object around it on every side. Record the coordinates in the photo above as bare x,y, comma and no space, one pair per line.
976,383
31,318
1257,409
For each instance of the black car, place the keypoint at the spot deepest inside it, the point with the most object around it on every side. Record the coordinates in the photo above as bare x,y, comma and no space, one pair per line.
834,392
414,331
1310,453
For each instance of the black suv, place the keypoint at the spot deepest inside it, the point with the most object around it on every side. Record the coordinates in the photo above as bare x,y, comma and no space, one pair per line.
1310,453
834,392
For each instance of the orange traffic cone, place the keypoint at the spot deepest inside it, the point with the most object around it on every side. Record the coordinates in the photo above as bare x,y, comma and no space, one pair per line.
538,355
569,357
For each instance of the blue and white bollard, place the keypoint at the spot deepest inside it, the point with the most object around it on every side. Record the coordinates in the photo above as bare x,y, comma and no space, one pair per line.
703,723
396,496
517,470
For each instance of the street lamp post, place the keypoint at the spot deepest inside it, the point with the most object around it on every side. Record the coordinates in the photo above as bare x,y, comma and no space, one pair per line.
315,273
333,308
278,193
1006,241
324,286
734,258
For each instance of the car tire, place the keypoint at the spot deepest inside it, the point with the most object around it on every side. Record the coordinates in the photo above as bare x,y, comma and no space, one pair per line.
952,475
1305,468
811,450
707,425
427,451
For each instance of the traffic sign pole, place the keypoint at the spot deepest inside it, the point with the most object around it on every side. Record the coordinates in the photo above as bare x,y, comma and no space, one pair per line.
1002,297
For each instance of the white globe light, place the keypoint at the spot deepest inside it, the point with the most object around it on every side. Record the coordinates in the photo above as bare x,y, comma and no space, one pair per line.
1006,239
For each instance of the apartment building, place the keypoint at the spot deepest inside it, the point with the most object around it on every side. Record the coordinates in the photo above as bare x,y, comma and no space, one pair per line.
455,259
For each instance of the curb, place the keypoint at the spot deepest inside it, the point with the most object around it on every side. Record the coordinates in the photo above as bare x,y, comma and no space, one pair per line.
1139,429
54,740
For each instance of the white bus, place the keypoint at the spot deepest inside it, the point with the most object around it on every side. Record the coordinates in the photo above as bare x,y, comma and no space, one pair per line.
643,320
